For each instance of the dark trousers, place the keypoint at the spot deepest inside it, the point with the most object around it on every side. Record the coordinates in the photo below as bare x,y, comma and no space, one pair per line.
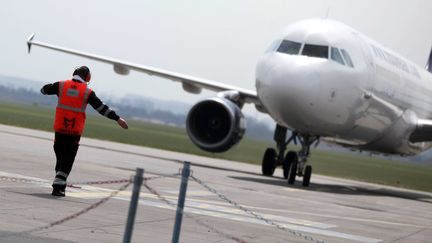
65,148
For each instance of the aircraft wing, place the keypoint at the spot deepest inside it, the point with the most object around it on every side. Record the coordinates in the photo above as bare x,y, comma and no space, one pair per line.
423,131
190,84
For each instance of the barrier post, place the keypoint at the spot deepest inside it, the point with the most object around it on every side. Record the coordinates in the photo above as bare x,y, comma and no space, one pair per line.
138,179
181,201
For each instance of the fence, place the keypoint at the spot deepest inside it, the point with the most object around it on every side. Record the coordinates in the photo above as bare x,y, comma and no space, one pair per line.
139,180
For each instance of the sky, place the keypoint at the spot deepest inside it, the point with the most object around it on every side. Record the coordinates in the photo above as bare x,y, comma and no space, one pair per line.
220,40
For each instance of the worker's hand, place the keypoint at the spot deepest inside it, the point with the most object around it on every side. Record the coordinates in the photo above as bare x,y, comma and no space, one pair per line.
122,123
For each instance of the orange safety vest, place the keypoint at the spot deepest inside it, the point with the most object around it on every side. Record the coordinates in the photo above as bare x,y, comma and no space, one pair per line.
70,112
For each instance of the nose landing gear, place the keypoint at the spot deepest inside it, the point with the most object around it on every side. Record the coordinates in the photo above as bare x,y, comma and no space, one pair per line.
305,170
271,158
293,163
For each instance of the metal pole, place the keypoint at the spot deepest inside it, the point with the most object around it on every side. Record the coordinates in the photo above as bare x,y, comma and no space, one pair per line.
181,201
138,179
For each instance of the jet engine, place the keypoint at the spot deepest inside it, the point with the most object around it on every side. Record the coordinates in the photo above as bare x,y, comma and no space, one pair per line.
215,124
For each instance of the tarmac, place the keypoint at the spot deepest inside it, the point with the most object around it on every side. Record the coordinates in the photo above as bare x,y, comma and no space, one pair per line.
248,207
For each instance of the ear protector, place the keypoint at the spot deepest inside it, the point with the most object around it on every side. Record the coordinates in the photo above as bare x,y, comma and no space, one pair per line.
88,76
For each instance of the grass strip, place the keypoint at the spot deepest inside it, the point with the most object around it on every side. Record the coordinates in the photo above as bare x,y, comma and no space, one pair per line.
344,165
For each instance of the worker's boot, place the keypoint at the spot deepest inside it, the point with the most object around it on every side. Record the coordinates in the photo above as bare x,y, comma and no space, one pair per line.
58,191
59,184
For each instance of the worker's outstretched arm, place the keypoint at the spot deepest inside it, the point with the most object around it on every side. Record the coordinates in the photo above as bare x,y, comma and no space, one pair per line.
50,89
104,110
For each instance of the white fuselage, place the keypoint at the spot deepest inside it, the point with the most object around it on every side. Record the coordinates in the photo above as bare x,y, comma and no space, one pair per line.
371,101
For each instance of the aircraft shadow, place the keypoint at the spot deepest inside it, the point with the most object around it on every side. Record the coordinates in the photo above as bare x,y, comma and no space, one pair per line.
340,189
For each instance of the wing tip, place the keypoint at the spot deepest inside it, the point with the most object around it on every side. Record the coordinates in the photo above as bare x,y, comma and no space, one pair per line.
29,41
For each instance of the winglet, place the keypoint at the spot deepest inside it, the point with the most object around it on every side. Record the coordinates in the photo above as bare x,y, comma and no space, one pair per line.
429,62
29,42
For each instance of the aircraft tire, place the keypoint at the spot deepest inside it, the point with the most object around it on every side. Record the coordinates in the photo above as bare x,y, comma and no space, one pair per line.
289,158
292,172
307,175
269,162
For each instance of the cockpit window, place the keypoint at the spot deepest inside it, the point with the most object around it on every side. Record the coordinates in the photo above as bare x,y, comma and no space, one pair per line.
289,47
336,56
274,45
347,58
315,51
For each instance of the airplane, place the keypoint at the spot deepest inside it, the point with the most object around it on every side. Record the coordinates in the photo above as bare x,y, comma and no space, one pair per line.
321,79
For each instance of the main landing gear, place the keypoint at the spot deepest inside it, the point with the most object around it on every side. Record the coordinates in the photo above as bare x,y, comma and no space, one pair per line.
293,163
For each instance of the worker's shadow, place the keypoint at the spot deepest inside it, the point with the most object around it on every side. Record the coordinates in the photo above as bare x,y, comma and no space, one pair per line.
43,195
340,189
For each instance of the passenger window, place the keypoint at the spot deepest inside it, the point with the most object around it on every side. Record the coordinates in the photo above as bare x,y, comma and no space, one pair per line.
347,58
336,56
289,47
315,51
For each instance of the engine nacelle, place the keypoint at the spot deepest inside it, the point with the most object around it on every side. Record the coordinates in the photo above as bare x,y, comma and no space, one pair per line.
215,124
121,69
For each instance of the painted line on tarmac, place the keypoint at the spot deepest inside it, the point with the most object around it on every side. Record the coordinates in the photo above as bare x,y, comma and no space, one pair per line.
380,222
207,208
94,193
248,219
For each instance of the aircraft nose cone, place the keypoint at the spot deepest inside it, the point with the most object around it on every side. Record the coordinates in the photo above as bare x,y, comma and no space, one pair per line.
290,89
293,80
299,86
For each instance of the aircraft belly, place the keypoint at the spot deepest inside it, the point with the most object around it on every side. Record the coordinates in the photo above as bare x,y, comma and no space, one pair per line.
369,121
348,114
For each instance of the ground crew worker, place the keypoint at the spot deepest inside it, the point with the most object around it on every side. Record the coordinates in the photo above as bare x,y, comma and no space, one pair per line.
73,97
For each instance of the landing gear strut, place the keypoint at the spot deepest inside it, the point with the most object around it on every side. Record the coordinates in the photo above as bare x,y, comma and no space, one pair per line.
305,170
272,158
293,163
